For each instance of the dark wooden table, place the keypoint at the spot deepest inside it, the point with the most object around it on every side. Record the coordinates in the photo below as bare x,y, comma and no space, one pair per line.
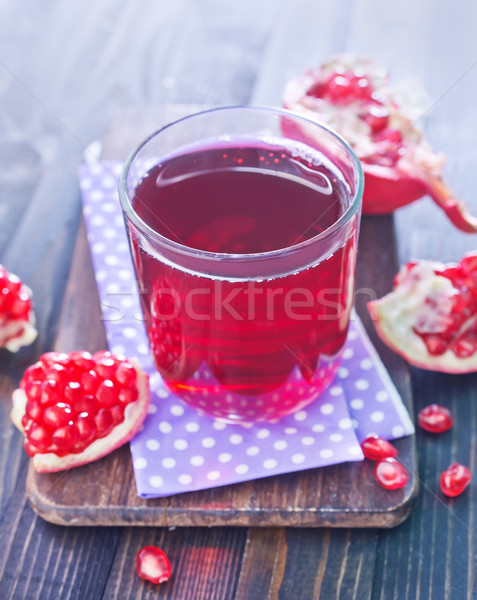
66,71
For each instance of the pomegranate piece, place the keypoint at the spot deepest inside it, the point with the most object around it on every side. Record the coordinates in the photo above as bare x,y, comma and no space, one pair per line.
354,97
375,447
17,319
153,565
455,479
75,408
430,317
435,418
391,474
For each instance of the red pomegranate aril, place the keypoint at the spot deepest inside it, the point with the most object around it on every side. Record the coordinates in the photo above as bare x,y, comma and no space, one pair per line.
375,447
57,373
126,375
33,409
73,392
153,565
34,372
106,367
128,395
57,415
39,436
90,381
455,479
391,474
103,420
435,344
107,393
85,429
435,418
88,405
83,360
117,413
32,389
50,358
464,348
51,392
64,437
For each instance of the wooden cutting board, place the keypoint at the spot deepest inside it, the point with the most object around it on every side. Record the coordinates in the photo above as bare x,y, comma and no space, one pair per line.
104,493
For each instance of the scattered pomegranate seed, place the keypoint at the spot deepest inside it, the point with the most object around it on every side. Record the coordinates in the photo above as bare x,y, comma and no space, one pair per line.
153,565
455,479
375,447
435,418
391,474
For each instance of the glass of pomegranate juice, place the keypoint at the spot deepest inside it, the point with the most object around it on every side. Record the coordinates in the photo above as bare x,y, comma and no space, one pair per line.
243,224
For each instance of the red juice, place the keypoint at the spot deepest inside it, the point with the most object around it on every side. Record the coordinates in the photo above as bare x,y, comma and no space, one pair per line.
245,348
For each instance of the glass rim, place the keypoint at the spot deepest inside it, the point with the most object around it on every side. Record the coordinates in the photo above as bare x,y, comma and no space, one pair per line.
162,240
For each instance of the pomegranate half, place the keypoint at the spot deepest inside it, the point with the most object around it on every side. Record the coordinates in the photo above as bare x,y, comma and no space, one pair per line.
430,317
17,319
75,408
351,95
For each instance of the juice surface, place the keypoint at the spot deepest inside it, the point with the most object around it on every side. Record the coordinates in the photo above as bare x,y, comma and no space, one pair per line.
245,350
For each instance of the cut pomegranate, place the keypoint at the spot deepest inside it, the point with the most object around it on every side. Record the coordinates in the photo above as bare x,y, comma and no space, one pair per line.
153,565
455,479
391,474
375,447
17,320
351,95
435,418
430,317
75,408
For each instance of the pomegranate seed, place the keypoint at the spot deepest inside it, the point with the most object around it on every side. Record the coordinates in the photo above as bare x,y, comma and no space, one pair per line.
464,348
126,375
83,360
50,358
103,421
128,395
90,381
39,436
33,408
58,373
73,392
435,418
375,447
106,367
435,344
153,565
33,389
377,117
469,263
57,415
117,413
65,436
85,428
455,479
391,474
88,405
34,372
107,393
50,392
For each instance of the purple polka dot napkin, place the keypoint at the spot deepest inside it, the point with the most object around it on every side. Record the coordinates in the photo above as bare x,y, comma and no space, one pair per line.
178,450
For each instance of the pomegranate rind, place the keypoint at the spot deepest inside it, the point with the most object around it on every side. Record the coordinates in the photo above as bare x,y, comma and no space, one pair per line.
419,169
17,333
134,415
396,314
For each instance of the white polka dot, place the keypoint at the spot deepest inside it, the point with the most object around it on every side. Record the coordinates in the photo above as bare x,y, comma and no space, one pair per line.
162,393
213,475
326,453
124,274
366,364
96,195
151,409
343,372
152,445
98,247
180,444
270,463
185,479
208,442
225,457
290,430
397,431
355,423
177,410
156,481
241,469
219,426
101,276
280,445
356,404
263,433
165,427
348,353
129,333
118,349
352,335
236,438
300,416
297,459
168,463
318,428
308,440
110,233
108,182
252,450
362,384
140,463
336,390
354,450
113,288
97,220
111,260
85,183
108,207
382,396
197,461
127,302
327,409
345,423
377,416
192,427
336,437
